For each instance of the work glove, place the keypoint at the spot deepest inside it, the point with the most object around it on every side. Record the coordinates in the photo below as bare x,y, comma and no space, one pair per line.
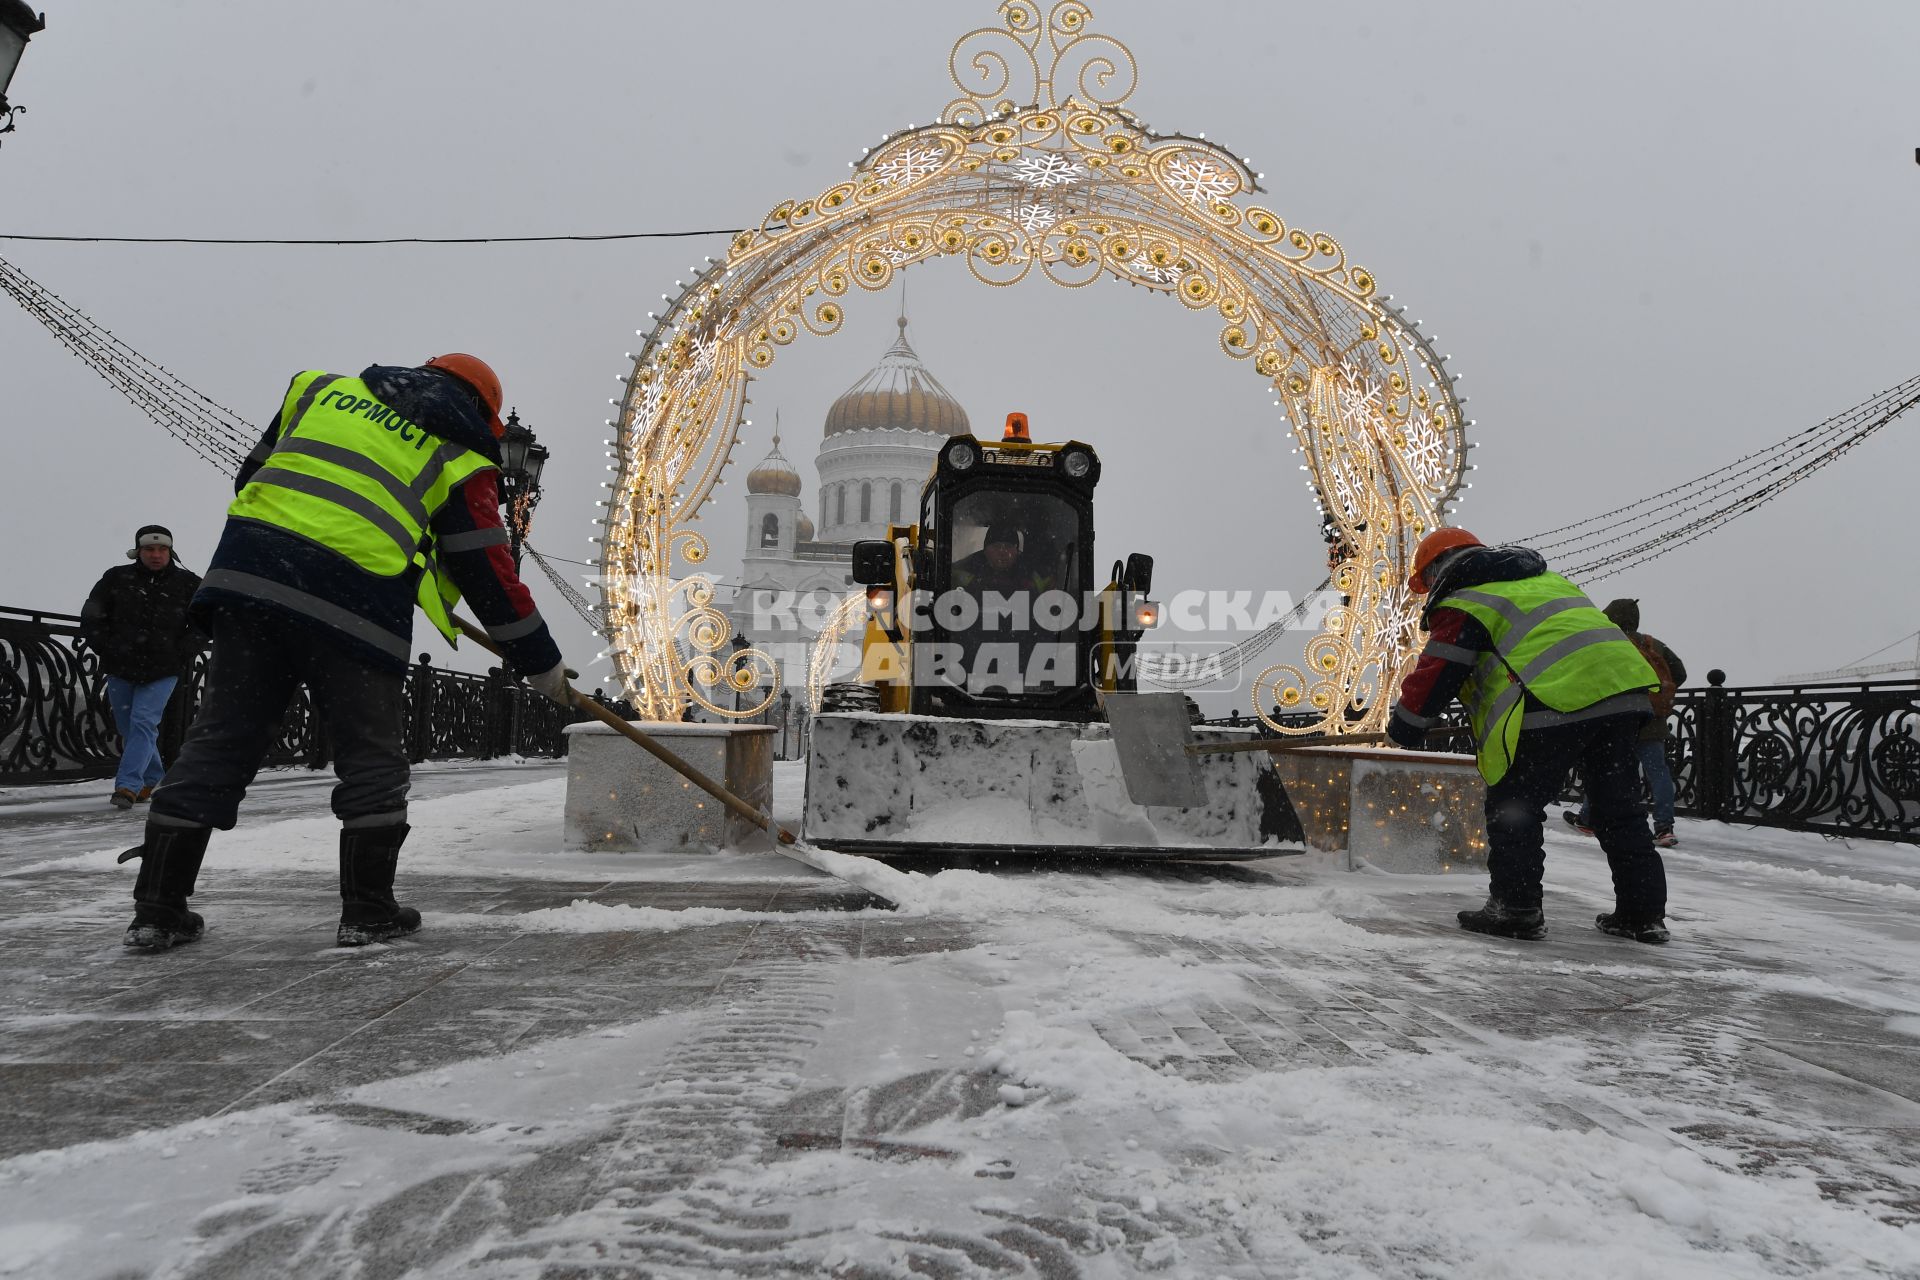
553,683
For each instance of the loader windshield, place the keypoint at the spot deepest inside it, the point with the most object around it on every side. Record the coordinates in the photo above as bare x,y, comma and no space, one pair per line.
1014,558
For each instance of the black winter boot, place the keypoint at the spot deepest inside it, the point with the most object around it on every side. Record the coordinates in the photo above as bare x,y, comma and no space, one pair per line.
169,864
1529,924
368,913
1624,926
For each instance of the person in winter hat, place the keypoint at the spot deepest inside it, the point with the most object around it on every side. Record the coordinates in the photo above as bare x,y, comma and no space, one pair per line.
1548,682
135,618
1652,747
365,497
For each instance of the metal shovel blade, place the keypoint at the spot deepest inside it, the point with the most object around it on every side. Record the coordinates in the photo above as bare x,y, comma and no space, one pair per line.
1151,734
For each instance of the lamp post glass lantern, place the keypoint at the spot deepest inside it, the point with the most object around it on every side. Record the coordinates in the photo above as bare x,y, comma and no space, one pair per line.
18,24
522,458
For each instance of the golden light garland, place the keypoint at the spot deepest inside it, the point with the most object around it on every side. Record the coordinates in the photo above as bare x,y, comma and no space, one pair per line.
824,653
1069,187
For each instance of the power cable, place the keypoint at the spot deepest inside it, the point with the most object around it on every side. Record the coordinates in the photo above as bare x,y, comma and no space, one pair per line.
614,235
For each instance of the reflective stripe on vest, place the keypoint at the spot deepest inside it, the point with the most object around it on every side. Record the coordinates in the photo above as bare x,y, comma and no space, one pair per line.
1550,641
351,474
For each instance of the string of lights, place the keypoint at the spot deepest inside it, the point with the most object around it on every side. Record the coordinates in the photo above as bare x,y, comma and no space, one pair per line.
1668,540
214,432
588,611
1765,472
1708,508
1162,670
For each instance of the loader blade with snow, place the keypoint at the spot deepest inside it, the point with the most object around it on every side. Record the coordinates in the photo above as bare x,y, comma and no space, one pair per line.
900,786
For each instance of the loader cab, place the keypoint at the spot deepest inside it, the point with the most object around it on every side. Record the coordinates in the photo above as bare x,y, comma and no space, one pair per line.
990,602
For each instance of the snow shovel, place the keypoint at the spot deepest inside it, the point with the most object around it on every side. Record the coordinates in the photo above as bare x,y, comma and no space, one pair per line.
1154,739
1286,744
881,882
612,721
840,868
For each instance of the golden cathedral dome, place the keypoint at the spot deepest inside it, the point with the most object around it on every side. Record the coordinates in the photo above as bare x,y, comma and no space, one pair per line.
901,394
803,528
774,474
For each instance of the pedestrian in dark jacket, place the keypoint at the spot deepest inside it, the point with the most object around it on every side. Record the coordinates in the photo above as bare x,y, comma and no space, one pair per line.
365,496
136,620
1548,682
1652,746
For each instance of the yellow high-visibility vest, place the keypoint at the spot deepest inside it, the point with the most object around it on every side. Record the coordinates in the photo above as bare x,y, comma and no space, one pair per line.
1548,640
351,474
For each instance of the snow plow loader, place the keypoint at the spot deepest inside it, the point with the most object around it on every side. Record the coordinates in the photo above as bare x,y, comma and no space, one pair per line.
994,669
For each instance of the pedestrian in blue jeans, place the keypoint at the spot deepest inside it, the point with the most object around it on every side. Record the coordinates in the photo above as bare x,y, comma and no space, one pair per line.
1652,745
137,709
136,620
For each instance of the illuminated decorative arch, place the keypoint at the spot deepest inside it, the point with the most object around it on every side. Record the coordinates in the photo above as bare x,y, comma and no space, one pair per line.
1036,170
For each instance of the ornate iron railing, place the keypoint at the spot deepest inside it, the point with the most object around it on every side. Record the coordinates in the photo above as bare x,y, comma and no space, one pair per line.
1837,759
55,724
1840,759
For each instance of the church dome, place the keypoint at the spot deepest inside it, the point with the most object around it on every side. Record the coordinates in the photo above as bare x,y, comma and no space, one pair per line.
774,474
900,394
802,528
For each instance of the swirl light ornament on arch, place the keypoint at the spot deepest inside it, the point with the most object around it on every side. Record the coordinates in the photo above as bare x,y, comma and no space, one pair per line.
1036,171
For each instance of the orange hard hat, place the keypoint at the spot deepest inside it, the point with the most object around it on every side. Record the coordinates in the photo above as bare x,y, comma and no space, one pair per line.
479,375
1431,548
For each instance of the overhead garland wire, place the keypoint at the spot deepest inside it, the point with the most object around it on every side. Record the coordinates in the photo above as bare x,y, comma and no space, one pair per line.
1654,526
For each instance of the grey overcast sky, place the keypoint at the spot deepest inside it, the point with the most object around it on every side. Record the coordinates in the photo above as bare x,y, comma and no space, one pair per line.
1652,235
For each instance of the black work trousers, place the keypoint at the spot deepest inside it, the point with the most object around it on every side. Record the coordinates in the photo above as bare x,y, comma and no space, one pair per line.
1605,749
259,658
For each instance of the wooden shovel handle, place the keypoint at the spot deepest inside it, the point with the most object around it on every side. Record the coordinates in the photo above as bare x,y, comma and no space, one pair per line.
660,753
1284,744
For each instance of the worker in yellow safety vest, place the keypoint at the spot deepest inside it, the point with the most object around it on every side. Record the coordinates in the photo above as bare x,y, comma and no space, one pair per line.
365,497
1548,682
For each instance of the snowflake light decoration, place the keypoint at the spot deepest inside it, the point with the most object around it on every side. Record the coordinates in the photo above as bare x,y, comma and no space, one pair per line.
1199,179
1035,218
1155,274
909,165
1358,397
703,355
1048,171
1369,404
1425,453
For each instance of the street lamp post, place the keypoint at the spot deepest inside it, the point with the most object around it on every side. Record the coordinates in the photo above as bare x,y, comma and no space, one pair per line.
18,24
739,645
786,720
522,457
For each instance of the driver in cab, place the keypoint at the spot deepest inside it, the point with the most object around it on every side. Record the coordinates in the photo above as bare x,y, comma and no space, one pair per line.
999,566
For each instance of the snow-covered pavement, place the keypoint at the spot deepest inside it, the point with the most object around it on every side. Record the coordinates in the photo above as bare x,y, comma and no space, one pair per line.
596,1065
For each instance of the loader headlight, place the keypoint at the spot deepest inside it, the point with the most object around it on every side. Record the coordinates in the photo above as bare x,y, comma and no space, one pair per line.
1076,463
880,599
961,456
1146,614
